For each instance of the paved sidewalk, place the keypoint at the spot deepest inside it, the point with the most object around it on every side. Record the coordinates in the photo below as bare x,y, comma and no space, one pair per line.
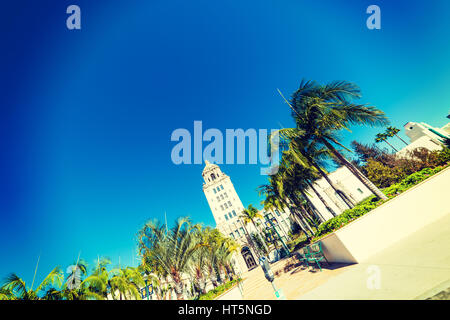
416,267
293,283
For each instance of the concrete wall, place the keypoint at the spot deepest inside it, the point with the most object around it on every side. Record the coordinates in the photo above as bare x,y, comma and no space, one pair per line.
391,222
233,294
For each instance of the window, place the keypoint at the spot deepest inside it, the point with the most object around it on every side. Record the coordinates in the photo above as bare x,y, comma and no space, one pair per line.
213,176
237,233
225,194
277,212
242,231
229,203
225,205
221,207
360,191
218,199
215,190
218,189
229,214
234,213
232,235
226,217
221,196
221,187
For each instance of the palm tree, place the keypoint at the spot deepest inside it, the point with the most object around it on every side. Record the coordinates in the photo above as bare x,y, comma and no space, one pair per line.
126,282
250,214
277,194
171,251
17,288
321,111
392,131
382,137
309,155
6,294
199,269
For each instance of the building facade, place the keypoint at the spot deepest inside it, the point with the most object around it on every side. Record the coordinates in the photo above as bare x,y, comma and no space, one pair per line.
227,207
422,135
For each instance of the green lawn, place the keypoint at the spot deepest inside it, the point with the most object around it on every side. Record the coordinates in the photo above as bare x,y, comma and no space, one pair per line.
214,293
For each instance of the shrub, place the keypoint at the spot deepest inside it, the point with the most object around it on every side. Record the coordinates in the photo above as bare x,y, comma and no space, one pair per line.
214,293
382,175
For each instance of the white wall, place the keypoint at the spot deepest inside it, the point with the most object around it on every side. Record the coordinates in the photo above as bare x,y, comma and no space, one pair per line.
391,222
345,181
422,142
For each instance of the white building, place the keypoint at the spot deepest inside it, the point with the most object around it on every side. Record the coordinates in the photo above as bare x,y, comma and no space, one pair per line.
346,182
422,135
226,207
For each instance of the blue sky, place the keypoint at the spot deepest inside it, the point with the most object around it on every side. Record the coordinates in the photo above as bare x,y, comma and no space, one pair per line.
86,116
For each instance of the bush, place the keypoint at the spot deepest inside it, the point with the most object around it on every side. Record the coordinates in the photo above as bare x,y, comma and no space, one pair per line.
385,169
382,175
214,293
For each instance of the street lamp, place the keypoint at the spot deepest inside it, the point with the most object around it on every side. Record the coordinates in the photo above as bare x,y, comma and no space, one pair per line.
146,287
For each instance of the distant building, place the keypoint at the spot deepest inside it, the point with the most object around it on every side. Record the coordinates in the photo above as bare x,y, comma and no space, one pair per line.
226,207
347,183
422,135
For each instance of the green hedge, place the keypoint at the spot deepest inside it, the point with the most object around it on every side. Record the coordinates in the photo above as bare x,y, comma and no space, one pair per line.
371,203
214,293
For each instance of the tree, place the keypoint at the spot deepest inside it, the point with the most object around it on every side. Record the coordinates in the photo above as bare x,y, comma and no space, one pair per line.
250,214
17,288
171,251
382,137
126,282
276,197
321,111
308,155
392,131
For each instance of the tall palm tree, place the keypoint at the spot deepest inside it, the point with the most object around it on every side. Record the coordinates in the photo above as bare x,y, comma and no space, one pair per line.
126,282
392,131
199,269
383,137
16,286
321,111
172,251
251,214
308,154
276,197
6,294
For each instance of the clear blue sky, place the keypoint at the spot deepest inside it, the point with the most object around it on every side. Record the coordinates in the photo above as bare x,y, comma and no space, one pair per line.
86,116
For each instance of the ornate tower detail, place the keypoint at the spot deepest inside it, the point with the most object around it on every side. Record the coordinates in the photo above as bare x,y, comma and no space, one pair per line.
226,207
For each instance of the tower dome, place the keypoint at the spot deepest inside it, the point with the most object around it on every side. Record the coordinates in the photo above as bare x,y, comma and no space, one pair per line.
211,171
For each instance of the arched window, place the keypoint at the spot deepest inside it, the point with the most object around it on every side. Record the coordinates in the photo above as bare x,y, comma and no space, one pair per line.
213,176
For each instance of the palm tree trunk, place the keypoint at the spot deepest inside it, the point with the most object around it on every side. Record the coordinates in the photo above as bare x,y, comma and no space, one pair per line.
302,216
364,180
401,139
303,224
297,218
390,145
305,212
312,206
259,234
281,227
340,193
250,240
321,198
